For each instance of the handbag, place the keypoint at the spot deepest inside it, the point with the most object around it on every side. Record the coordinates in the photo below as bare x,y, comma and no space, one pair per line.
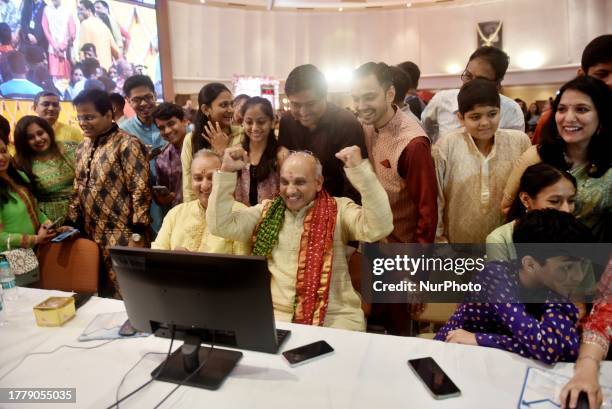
24,264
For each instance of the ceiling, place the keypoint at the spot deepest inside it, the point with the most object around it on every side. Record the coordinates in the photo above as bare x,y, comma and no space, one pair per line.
336,5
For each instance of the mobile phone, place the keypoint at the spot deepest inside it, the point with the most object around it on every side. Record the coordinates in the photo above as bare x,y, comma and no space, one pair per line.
52,225
161,190
156,151
80,299
126,329
307,353
63,236
433,377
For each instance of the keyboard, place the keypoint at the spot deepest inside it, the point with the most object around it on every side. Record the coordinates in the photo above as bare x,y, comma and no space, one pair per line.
281,336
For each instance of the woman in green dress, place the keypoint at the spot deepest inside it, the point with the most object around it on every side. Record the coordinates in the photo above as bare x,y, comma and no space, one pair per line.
49,164
22,224
577,139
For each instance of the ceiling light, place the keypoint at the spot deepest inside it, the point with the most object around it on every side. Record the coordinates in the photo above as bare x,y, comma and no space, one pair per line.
453,68
339,8
531,59
408,4
203,1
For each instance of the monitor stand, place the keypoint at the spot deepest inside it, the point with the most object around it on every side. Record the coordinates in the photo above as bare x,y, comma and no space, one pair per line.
185,360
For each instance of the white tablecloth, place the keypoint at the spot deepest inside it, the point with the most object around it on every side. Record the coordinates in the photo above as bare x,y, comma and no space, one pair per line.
366,371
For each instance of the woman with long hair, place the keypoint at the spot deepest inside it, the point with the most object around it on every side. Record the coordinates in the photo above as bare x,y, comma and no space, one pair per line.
260,179
22,224
577,139
542,187
48,164
213,129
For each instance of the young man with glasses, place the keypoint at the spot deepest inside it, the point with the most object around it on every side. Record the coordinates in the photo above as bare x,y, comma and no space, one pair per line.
47,106
139,92
490,63
112,195
319,126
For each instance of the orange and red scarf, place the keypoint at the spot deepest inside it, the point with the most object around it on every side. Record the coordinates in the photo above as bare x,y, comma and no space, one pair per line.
314,271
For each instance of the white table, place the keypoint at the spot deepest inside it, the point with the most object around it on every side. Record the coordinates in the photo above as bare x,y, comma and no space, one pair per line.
366,371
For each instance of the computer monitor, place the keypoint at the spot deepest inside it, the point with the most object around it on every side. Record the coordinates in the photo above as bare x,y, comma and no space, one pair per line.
207,298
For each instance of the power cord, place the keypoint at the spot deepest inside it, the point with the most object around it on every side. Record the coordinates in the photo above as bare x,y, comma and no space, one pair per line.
51,352
188,377
154,377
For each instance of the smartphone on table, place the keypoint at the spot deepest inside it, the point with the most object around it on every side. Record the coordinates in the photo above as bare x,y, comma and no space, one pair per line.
439,385
307,353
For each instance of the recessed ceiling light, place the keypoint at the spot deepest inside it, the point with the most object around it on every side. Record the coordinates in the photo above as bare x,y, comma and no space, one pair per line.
339,8
408,4
531,59
203,1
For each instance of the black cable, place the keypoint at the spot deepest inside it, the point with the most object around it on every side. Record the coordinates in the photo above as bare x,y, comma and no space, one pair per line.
130,370
154,377
51,352
212,346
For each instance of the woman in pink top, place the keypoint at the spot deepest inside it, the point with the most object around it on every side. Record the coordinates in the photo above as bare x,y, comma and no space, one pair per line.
259,180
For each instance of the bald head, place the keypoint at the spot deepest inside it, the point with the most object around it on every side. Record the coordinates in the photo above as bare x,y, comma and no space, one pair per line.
205,163
301,177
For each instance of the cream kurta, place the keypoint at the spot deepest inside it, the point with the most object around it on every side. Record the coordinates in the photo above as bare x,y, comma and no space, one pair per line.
187,158
185,226
370,222
470,185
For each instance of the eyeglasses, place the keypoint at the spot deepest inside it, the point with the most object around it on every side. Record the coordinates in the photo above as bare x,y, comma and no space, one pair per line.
301,152
467,76
87,118
47,104
149,98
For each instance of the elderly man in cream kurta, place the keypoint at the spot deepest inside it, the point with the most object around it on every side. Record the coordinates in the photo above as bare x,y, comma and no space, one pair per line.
301,196
184,227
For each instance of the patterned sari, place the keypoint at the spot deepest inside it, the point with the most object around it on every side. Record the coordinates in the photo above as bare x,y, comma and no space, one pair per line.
54,181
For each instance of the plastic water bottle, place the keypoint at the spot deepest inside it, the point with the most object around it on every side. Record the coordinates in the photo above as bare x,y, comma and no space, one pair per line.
7,279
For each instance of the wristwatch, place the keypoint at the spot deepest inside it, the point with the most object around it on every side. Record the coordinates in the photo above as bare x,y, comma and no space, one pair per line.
136,237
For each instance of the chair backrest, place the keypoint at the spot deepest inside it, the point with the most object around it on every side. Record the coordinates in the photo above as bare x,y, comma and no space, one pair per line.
355,273
71,265
437,313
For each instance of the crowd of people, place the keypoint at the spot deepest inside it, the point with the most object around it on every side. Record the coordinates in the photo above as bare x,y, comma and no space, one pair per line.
302,193
43,47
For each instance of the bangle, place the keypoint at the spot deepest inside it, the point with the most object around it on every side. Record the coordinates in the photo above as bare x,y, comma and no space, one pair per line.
595,338
583,357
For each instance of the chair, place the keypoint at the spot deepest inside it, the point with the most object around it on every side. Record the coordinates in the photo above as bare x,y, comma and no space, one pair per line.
436,314
71,265
355,273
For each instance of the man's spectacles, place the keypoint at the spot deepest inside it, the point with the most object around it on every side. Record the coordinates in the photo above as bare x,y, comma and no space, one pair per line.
301,152
149,98
87,118
47,104
467,76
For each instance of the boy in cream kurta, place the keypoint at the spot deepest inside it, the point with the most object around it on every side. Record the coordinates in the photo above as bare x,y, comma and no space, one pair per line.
301,180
